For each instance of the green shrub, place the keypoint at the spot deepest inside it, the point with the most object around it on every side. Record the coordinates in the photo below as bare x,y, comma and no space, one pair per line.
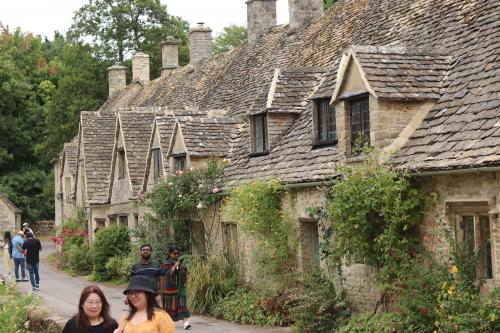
368,323
209,281
13,309
118,267
247,307
111,242
79,259
320,307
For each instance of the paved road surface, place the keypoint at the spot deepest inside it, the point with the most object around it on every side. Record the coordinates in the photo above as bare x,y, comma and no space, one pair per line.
60,292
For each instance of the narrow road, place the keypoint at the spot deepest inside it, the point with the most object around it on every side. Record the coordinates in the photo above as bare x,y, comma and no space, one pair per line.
60,292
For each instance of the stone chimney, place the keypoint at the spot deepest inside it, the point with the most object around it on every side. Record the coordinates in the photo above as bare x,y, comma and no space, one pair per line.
117,78
169,56
200,43
140,67
302,12
261,15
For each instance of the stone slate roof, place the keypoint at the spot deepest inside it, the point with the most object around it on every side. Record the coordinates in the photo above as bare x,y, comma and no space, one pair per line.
136,129
71,154
288,90
402,73
97,141
9,203
205,136
461,130
165,123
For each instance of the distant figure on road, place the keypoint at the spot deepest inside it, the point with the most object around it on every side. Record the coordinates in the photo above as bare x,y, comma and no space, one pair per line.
18,256
26,229
145,315
6,246
174,296
93,314
33,247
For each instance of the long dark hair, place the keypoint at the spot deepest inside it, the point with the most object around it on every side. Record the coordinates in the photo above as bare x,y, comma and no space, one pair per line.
152,305
7,236
82,322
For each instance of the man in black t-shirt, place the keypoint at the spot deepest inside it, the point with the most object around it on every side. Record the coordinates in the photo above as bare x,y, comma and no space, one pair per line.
147,266
33,247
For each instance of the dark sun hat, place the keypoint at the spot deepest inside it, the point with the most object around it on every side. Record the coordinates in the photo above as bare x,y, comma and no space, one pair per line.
142,283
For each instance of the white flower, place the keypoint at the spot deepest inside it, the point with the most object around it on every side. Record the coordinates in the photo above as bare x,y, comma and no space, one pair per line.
200,185
200,205
180,195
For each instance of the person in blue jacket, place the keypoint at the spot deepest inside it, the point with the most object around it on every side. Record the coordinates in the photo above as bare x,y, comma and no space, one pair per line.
18,256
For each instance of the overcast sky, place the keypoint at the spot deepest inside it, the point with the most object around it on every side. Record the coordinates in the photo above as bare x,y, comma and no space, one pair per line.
43,17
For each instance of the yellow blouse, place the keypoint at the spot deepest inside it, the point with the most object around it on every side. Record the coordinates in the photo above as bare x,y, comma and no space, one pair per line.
160,323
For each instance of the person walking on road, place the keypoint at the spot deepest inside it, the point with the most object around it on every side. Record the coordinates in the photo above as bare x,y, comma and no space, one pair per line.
33,247
145,314
174,295
93,314
27,229
6,245
18,256
146,266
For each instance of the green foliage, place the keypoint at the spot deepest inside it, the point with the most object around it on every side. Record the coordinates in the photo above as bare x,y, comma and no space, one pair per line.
79,258
118,267
175,203
121,27
373,212
210,280
368,323
328,3
14,309
111,242
230,38
321,307
247,307
256,206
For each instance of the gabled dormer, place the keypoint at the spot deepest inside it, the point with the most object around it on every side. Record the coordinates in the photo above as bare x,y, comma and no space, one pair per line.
198,139
157,161
278,105
132,137
383,93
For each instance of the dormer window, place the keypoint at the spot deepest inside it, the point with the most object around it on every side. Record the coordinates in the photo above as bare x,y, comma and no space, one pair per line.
359,123
325,129
157,164
259,134
180,162
121,163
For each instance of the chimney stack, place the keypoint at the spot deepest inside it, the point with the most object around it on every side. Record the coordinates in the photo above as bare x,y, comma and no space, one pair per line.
302,12
117,79
140,67
169,55
261,15
200,43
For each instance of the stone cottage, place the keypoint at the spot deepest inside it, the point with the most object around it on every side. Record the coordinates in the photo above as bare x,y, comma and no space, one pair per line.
10,215
417,80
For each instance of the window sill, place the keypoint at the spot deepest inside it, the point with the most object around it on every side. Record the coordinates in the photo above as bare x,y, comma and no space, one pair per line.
264,153
321,144
355,158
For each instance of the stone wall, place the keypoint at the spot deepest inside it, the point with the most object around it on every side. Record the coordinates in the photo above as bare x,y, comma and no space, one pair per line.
200,43
468,194
7,218
44,228
140,67
302,12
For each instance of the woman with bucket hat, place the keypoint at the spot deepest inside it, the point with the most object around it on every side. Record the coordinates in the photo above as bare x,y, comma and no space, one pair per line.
145,314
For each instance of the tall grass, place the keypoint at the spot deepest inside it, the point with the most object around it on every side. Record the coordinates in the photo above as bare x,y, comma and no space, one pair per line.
14,309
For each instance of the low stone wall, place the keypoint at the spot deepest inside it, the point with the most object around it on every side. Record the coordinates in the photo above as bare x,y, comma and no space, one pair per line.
44,228
41,320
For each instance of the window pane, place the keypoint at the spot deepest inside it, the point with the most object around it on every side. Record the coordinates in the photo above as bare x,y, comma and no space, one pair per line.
467,227
180,163
486,260
360,123
157,165
332,123
260,133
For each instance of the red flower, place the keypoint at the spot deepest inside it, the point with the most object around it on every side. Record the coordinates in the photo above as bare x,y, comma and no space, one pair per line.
424,311
68,232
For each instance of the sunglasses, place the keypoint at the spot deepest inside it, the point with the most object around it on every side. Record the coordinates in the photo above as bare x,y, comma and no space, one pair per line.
175,253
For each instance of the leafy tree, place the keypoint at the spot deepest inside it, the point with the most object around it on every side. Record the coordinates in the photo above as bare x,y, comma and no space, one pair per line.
232,37
328,3
117,28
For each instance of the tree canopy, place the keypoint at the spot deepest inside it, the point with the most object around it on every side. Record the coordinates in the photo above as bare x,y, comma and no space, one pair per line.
231,37
116,29
328,3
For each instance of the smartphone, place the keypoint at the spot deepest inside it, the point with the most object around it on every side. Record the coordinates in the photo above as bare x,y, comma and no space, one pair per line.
181,260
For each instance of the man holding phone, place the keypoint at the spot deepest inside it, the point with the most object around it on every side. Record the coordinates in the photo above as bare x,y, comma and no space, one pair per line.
174,299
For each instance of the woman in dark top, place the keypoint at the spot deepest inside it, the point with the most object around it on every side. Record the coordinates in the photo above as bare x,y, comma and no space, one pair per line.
93,314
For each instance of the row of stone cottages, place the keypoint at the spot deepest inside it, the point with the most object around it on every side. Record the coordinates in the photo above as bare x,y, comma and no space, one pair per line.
418,80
